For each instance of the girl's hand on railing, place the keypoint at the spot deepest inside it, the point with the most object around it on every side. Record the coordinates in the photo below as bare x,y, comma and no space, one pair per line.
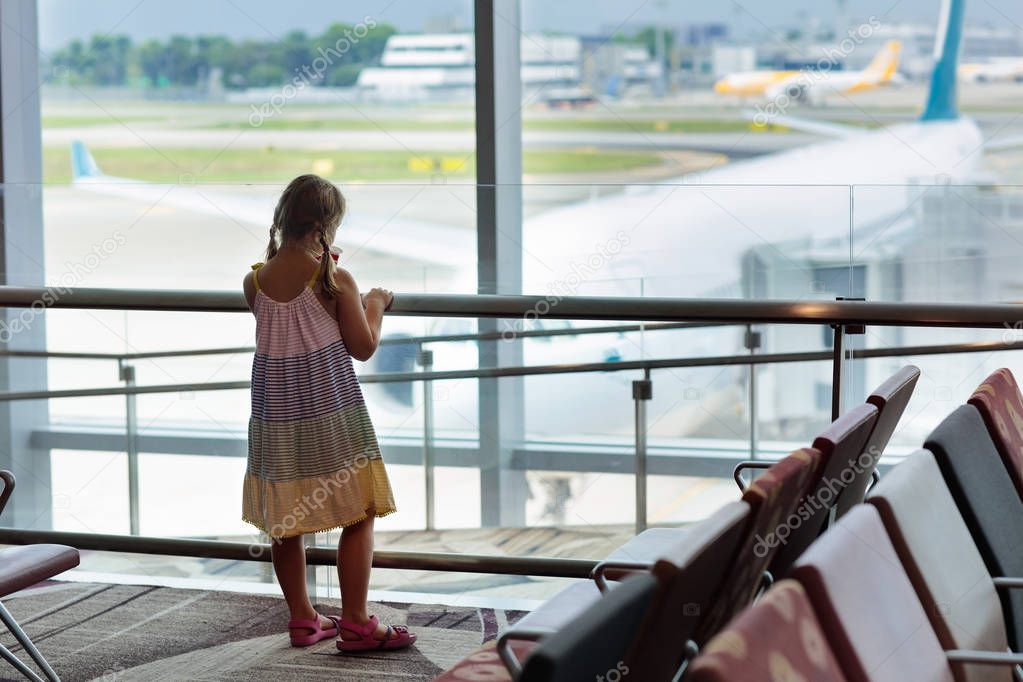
384,296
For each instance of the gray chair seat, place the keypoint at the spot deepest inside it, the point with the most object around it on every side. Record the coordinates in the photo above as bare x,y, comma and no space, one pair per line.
648,546
565,606
561,609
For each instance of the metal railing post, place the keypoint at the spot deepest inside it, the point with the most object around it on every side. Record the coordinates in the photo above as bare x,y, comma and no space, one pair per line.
642,391
127,375
836,371
309,542
752,343
838,359
425,359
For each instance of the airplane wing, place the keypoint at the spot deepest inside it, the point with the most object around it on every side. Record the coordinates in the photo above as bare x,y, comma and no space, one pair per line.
391,234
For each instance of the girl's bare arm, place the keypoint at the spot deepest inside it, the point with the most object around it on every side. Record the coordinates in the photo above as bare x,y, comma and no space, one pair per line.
360,324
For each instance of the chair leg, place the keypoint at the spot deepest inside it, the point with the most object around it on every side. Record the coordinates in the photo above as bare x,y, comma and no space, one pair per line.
25,642
6,654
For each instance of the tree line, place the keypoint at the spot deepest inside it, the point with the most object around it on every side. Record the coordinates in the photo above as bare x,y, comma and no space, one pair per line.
187,61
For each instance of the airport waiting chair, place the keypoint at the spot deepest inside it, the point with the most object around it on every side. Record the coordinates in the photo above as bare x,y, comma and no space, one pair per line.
692,574
22,567
773,498
869,611
596,643
689,574
890,399
942,562
779,637
841,446
713,580
987,500
1001,406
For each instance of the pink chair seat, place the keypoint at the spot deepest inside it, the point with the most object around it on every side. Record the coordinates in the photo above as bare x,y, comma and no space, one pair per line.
22,567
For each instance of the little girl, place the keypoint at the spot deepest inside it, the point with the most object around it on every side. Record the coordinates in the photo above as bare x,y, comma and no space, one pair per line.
314,463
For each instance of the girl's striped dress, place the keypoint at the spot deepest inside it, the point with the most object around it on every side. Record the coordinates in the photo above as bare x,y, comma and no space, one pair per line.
314,463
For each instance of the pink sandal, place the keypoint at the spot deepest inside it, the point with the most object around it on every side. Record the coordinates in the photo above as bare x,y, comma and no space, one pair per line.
318,633
368,642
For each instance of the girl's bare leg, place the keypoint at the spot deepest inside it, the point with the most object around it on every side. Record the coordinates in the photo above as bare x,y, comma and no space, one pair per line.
289,564
354,562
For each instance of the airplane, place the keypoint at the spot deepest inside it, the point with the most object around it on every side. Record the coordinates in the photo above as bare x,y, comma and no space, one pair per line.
996,70
808,85
689,236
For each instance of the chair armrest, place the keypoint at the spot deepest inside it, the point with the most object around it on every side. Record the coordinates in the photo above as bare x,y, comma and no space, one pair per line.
747,464
1008,583
766,580
983,657
5,494
504,651
599,572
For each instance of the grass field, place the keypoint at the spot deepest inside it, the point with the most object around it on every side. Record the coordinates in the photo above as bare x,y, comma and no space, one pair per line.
85,121
280,165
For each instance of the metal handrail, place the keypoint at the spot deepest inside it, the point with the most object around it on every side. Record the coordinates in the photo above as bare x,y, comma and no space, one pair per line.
318,556
390,341
675,312
535,370
624,308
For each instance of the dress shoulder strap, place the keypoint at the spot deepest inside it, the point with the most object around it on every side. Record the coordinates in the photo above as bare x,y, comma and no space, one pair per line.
255,275
312,280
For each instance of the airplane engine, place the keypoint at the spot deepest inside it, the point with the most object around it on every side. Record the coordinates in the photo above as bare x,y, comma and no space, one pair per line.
395,357
794,91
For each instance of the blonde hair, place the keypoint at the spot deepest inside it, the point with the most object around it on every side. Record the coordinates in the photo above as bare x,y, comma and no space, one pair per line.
309,204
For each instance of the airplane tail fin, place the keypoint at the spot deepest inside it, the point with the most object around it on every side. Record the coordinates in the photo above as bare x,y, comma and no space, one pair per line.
82,164
885,64
942,100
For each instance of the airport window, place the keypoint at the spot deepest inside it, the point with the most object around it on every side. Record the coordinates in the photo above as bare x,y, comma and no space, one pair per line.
168,133
583,148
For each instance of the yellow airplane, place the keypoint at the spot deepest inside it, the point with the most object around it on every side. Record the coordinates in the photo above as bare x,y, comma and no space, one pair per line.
808,84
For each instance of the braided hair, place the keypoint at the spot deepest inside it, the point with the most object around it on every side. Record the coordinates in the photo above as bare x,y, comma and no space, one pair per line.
309,205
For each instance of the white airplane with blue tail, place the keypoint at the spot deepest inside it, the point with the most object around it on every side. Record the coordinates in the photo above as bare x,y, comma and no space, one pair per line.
686,236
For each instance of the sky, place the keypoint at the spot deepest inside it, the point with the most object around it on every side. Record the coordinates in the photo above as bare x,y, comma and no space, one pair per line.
62,20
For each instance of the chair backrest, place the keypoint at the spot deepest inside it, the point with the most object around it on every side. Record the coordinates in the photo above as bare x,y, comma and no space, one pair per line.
987,500
778,638
840,445
866,605
942,562
890,399
595,643
773,499
1000,405
8,487
691,573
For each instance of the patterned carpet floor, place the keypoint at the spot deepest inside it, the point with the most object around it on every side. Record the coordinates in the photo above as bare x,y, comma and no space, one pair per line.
119,633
